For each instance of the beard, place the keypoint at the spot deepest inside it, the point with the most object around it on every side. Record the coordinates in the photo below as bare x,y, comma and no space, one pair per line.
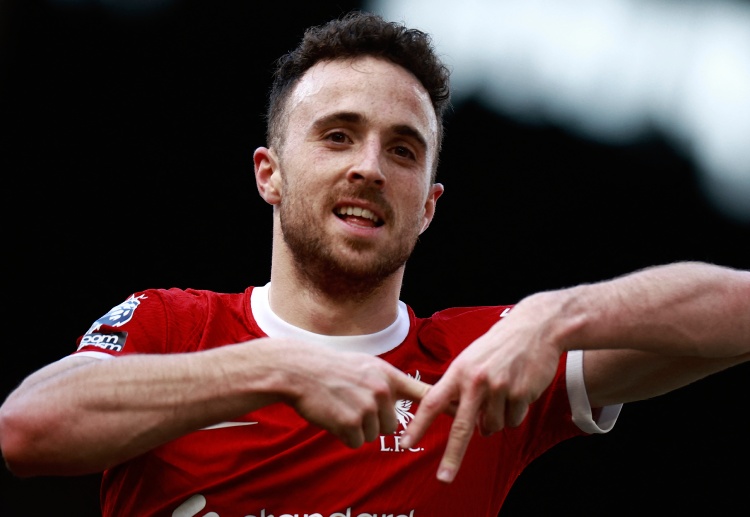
349,269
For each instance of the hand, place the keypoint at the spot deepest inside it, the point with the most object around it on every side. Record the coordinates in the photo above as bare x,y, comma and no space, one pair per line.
490,384
352,395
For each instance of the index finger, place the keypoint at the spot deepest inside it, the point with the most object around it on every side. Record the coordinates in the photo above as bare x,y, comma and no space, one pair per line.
461,432
412,389
404,388
433,403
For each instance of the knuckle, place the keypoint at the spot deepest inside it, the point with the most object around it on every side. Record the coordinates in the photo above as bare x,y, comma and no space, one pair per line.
461,428
382,391
350,421
431,405
369,407
479,377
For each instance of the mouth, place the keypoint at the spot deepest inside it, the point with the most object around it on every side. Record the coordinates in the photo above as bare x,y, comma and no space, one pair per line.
359,216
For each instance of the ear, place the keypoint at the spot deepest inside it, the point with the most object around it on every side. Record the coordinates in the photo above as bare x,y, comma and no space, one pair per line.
436,190
267,175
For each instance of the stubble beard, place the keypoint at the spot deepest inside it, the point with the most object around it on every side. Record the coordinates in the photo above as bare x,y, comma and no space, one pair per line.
349,270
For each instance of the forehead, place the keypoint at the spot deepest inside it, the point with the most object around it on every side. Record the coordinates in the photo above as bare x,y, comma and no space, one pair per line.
381,91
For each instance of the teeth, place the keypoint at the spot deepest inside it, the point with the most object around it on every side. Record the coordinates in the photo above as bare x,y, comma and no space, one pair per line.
358,212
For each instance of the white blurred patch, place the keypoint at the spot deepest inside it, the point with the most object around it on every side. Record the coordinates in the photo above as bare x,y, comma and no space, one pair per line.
614,71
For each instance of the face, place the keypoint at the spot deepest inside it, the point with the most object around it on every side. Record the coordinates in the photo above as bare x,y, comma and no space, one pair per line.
353,175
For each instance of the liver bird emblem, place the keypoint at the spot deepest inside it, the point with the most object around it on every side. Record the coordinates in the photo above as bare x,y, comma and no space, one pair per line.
403,406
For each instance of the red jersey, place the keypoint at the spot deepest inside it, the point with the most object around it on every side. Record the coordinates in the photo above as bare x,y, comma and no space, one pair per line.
273,463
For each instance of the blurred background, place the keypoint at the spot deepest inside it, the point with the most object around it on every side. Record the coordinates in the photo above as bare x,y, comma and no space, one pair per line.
588,138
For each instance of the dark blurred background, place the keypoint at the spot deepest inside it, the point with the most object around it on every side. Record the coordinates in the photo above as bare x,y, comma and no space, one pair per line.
128,132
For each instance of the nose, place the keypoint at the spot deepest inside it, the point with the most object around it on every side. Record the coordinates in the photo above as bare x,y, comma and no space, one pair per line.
367,166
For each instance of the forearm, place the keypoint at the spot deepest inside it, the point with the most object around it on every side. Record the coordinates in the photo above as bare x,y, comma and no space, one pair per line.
686,309
91,416
77,418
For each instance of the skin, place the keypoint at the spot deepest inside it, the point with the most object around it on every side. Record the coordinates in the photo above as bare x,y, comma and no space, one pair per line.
359,134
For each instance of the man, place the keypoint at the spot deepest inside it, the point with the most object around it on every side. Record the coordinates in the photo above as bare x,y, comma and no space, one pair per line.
300,397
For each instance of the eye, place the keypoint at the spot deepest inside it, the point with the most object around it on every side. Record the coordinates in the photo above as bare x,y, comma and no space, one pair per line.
404,152
338,137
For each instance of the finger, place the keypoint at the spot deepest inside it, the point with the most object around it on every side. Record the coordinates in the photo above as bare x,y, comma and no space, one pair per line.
404,387
462,430
492,419
516,413
433,403
354,438
387,417
371,427
410,388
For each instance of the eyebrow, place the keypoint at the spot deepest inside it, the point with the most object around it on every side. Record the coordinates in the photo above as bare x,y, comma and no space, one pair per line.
352,117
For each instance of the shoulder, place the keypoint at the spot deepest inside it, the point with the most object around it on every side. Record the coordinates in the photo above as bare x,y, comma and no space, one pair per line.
157,304
459,317
176,298
173,319
482,312
460,325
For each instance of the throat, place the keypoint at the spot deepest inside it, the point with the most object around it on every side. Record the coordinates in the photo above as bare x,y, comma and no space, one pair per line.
348,315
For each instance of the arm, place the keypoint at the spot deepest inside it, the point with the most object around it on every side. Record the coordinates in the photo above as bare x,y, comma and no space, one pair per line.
82,415
654,331
644,334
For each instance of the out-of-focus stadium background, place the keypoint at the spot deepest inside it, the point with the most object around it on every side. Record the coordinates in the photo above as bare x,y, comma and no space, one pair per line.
588,139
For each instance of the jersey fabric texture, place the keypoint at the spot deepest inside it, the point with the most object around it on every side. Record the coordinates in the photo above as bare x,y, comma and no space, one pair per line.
273,463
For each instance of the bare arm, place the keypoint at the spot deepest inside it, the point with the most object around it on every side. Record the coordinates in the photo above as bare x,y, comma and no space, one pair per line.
82,415
644,334
691,319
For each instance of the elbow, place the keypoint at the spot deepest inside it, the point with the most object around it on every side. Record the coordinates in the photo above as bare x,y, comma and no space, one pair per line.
18,467
32,447
21,445
15,448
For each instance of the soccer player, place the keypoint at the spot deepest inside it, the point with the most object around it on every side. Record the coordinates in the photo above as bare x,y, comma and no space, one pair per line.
321,393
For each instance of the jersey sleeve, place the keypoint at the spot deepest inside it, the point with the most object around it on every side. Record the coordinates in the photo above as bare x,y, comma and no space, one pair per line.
579,400
137,325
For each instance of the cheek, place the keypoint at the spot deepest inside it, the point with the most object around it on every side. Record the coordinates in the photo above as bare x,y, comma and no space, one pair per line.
309,167
415,212
412,190
302,194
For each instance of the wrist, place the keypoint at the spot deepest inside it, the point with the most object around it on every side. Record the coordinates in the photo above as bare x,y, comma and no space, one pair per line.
566,317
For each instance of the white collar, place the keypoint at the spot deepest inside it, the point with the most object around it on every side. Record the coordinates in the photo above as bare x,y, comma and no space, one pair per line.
374,344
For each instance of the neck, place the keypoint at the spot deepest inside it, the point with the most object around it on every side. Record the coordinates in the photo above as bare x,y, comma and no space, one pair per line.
299,301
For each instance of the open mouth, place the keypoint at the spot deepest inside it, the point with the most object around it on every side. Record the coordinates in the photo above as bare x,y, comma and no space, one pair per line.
359,216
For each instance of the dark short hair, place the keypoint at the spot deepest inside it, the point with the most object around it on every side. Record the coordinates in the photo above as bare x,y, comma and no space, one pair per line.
356,34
